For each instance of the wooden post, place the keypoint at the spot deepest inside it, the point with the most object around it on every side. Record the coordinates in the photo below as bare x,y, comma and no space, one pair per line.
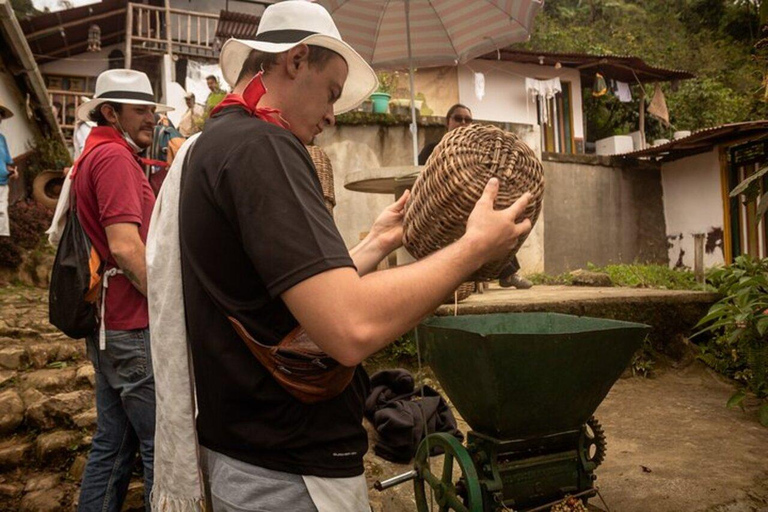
698,257
128,34
168,38
642,116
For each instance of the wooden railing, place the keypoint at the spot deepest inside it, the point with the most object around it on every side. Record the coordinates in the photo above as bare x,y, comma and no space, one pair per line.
65,104
153,29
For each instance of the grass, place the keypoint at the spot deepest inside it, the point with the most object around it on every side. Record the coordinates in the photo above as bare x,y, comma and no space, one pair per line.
632,276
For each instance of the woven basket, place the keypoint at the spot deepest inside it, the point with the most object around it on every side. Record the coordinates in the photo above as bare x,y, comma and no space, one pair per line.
454,179
462,292
325,174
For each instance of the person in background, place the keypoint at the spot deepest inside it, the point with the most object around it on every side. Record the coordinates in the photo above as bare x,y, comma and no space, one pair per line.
217,94
114,206
460,115
192,120
7,171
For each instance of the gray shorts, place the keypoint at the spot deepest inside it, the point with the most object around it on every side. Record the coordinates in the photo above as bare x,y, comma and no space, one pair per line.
236,486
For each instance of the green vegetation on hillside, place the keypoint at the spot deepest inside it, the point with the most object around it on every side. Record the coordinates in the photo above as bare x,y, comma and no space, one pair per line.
712,38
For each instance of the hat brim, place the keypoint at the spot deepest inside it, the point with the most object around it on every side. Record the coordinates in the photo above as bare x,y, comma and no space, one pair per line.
5,113
84,110
361,78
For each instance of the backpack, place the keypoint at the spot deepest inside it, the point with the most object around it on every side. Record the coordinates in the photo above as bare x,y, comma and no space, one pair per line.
76,280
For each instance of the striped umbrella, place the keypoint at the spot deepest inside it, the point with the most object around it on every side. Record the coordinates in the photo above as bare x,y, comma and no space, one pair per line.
424,33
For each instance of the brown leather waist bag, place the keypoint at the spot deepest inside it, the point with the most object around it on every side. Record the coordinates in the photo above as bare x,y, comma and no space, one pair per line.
299,365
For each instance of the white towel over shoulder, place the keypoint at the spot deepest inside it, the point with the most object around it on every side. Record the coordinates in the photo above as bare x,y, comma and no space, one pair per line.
178,483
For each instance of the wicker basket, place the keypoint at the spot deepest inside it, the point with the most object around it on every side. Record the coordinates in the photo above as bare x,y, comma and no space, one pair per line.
325,174
454,179
462,292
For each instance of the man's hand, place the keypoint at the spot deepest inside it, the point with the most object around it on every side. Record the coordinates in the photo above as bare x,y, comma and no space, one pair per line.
495,232
387,230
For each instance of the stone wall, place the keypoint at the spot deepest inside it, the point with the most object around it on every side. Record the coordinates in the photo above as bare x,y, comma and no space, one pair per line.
601,210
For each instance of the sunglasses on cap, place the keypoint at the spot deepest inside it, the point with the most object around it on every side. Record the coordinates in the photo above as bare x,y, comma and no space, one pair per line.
461,119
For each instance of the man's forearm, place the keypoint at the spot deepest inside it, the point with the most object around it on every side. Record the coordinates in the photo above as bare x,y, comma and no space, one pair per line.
134,267
367,255
374,310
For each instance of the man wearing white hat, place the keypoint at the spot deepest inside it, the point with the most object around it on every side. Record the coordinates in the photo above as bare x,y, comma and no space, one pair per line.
260,255
114,204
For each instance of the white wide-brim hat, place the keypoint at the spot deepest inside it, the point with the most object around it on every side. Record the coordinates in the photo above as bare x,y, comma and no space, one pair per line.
124,86
287,24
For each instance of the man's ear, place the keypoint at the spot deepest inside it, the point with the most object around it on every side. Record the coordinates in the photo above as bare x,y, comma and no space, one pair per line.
108,111
297,56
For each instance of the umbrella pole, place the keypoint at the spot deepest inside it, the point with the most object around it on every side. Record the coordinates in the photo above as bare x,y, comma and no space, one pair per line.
414,128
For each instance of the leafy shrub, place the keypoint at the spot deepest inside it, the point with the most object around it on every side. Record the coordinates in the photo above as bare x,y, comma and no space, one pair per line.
29,220
634,276
649,276
738,323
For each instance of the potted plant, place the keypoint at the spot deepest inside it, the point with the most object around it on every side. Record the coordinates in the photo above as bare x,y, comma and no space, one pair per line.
387,85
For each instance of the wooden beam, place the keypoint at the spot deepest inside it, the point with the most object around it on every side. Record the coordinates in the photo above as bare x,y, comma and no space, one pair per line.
169,41
128,36
69,48
90,19
642,116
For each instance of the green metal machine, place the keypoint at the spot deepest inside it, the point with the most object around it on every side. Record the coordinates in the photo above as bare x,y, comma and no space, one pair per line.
528,385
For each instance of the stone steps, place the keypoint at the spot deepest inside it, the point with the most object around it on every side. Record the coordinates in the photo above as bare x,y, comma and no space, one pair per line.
47,409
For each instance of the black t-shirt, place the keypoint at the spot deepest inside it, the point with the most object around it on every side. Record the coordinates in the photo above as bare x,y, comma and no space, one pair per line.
252,225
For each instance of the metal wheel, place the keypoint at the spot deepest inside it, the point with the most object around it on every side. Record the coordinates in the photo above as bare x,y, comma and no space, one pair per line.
594,444
463,495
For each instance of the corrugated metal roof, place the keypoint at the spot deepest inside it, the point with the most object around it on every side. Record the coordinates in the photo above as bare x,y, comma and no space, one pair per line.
702,140
624,68
237,24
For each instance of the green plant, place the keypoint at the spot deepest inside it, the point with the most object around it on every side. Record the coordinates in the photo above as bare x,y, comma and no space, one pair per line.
49,154
648,276
387,82
738,324
28,222
643,363
631,275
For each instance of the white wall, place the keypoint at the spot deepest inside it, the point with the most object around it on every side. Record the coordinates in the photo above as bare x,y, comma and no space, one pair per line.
693,204
86,63
505,97
19,131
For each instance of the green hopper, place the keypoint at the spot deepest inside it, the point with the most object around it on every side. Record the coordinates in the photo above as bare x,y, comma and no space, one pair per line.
528,385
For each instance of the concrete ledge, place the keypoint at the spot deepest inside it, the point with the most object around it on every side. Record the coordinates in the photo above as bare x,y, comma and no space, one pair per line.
602,160
670,313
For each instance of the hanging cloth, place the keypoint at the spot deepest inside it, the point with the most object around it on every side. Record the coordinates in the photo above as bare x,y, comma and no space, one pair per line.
541,92
658,106
623,92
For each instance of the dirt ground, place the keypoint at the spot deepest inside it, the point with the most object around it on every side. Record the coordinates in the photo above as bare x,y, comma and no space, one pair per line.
673,446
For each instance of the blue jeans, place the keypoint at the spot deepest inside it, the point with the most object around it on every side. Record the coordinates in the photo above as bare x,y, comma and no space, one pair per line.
125,407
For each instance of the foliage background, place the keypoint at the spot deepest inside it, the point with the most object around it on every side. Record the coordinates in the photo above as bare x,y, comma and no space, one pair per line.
712,38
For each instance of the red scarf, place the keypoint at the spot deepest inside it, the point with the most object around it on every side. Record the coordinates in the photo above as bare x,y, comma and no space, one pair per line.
107,135
249,101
